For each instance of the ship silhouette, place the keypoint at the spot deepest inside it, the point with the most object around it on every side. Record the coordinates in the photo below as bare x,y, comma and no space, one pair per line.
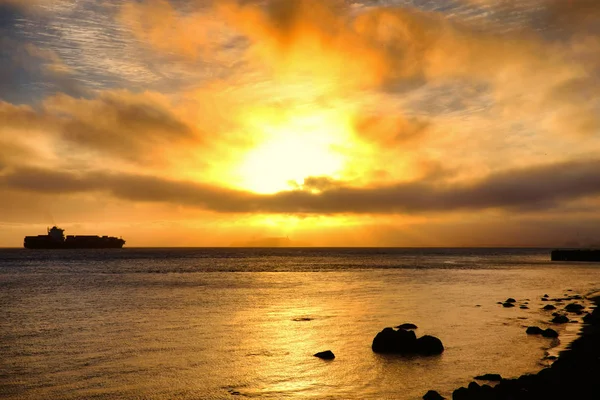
55,239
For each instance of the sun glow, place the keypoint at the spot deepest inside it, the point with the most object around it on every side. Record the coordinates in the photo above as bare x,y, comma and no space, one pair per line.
293,149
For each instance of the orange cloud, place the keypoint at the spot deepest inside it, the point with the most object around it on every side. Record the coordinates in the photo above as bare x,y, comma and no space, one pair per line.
156,22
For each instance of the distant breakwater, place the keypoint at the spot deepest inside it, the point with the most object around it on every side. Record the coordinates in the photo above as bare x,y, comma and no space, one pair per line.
585,255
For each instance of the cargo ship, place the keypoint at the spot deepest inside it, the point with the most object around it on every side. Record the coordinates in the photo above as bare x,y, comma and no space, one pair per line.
55,239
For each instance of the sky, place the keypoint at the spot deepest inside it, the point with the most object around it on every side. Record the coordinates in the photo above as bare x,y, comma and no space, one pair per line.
328,122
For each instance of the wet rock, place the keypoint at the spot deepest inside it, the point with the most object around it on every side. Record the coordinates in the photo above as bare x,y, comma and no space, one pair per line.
407,326
550,333
433,395
429,345
507,305
534,330
462,393
394,341
489,377
325,355
403,341
560,319
548,307
574,307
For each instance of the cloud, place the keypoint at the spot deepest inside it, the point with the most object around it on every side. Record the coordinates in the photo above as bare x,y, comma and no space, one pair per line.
190,33
536,188
391,130
115,124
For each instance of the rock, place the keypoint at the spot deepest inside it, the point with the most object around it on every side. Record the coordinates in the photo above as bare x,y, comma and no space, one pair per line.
534,330
550,333
461,393
429,345
510,300
407,326
546,295
325,355
433,395
574,307
544,299
548,307
524,307
391,341
507,304
405,342
489,377
560,319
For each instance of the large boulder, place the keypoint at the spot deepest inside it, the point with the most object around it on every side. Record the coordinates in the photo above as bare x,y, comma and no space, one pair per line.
403,341
395,341
429,345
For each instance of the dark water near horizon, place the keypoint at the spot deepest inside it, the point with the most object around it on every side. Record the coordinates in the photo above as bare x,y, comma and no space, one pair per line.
229,323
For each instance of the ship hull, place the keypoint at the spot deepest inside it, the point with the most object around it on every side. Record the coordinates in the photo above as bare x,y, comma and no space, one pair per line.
73,242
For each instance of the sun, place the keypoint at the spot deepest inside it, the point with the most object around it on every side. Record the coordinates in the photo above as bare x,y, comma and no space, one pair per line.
293,149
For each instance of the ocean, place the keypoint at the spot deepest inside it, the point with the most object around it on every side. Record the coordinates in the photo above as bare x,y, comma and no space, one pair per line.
229,323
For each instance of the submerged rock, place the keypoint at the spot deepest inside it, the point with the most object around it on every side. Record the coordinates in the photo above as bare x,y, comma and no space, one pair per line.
325,355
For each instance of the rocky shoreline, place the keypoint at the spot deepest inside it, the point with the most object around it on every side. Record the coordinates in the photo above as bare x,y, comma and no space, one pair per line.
574,375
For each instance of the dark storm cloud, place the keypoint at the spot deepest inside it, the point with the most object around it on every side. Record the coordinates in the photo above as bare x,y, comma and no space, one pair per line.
534,189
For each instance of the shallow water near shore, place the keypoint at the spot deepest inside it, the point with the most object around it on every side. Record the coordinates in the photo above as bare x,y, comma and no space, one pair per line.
235,323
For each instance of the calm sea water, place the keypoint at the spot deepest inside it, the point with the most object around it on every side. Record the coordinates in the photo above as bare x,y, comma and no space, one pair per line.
237,323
